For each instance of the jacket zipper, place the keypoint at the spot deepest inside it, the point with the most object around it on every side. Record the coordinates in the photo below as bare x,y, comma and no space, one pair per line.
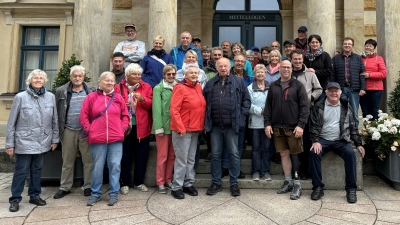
105,102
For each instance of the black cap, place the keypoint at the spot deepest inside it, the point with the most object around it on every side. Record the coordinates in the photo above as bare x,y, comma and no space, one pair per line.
333,84
289,41
302,28
254,48
196,39
130,25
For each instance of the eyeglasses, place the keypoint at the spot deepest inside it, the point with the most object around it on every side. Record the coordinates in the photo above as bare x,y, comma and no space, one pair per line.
286,67
274,46
239,61
170,74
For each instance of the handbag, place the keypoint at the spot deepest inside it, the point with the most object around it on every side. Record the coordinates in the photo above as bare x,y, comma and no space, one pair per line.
84,134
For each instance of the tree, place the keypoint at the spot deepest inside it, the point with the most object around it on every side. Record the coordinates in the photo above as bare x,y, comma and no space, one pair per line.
63,75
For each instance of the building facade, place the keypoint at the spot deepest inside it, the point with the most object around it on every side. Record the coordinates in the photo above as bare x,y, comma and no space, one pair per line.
43,33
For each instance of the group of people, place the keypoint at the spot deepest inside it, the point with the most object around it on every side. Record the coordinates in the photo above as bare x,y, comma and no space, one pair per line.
302,104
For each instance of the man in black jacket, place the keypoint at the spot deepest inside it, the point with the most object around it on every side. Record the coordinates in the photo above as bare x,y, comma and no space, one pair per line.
332,128
285,117
348,71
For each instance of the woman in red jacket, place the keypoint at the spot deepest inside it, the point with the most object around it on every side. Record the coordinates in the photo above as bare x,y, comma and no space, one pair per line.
375,72
105,119
138,96
187,111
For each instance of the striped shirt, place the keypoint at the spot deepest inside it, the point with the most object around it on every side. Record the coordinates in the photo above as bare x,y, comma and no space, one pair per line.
74,110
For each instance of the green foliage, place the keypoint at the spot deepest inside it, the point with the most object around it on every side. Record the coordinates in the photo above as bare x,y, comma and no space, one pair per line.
394,100
63,75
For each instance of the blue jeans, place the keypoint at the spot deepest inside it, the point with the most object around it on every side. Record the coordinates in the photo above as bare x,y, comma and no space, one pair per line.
354,100
225,152
27,163
342,149
112,153
370,103
219,137
260,155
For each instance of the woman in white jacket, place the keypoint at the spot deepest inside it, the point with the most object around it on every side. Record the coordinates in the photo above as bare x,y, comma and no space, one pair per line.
258,91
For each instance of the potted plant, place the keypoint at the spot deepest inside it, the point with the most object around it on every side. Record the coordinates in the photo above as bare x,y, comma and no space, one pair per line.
383,135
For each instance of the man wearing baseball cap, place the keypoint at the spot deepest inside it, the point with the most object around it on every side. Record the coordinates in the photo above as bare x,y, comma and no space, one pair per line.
196,42
257,55
133,50
301,40
288,47
332,128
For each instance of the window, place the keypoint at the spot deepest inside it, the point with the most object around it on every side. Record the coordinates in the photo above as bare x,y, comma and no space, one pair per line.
39,50
247,5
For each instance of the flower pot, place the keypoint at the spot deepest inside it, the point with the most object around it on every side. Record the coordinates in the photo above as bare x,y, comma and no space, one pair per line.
390,168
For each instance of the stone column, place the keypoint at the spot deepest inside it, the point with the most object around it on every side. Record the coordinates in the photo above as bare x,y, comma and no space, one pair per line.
92,35
299,16
287,25
321,21
388,34
354,23
162,21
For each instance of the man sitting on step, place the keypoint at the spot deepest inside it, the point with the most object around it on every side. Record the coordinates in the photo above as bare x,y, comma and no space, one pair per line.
331,128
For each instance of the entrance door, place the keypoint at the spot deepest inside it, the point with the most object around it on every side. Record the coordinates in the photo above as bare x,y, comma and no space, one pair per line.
249,27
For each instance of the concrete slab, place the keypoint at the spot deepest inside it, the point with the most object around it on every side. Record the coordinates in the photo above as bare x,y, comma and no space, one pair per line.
389,216
12,220
133,219
332,196
360,218
83,220
24,209
387,205
114,213
56,213
318,219
382,193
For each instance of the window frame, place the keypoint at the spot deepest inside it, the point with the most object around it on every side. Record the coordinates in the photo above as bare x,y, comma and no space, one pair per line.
42,48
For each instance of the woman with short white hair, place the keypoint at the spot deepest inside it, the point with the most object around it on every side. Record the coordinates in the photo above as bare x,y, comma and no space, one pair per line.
32,130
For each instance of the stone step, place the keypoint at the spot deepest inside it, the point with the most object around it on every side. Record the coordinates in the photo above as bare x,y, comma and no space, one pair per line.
205,167
204,181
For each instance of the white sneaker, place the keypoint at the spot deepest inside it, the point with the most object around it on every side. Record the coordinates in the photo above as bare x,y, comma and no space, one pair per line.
267,177
256,177
141,187
168,185
124,190
162,189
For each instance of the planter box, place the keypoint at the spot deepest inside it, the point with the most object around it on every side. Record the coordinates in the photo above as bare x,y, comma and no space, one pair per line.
390,168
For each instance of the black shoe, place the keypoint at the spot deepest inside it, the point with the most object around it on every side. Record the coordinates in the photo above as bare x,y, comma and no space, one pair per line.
317,193
235,191
285,188
178,194
87,192
224,172
61,194
241,175
296,193
351,196
214,189
37,201
190,191
14,206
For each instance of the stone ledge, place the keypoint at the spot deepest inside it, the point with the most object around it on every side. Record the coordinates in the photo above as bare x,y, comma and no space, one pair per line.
370,30
122,4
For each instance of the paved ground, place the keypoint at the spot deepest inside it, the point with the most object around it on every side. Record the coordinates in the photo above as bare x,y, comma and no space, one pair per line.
377,204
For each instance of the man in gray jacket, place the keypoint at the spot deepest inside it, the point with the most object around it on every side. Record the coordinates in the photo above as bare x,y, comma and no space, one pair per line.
69,99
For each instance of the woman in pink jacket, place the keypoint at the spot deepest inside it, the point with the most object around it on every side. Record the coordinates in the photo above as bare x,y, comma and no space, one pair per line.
375,72
105,119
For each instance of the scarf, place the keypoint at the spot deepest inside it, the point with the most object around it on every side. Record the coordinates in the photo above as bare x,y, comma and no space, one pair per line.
272,70
169,85
311,56
366,54
41,91
132,100
158,53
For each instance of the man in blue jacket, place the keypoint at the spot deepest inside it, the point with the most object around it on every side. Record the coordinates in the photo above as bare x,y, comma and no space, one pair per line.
178,53
228,104
348,70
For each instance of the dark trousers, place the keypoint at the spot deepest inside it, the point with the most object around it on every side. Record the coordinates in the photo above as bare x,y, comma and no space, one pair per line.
139,150
342,149
370,103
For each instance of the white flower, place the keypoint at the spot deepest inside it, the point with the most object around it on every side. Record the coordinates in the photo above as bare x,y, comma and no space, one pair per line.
368,117
395,122
387,123
376,136
382,128
379,111
395,144
372,130
393,148
393,130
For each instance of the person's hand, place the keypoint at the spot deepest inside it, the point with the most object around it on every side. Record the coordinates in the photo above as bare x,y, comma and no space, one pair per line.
317,147
362,92
10,151
298,132
139,96
310,70
160,134
182,134
54,146
361,150
268,131
365,74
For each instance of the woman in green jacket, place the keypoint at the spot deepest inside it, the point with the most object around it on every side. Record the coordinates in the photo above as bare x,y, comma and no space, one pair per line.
161,128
